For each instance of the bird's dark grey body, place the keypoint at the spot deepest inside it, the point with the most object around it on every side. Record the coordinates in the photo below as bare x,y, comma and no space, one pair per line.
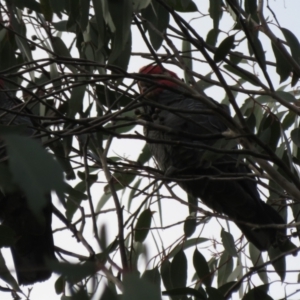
237,197
33,237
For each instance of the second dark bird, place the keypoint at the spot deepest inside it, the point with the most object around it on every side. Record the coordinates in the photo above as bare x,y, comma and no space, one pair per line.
33,238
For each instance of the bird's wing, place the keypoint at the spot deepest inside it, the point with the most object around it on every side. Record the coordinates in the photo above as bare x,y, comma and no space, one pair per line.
222,181
185,116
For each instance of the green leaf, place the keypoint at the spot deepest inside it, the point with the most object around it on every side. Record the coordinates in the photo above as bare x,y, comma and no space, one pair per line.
67,141
73,272
153,277
143,226
185,292
120,181
224,48
259,292
139,288
193,204
61,50
57,6
46,10
123,58
104,8
228,242
59,285
236,273
225,268
225,287
123,126
269,131
103,200
72,205
81,294
84,14
293,43
214,294
295,136
31,4
251,9
279,264
140,4
7,51
215,11
145,155
286,96
103,236
243,74
99,36
212,264
138,250
295,79
108,294
187,58
76,194
189,226
264,99
212,37
165,271
259,52
37,174
159,17
251,122
133,192
178,6
257,260
82,185
187,244
179,270
201,267
110,98
233,15
253,35
205,84
21,40
288,120
236,57
64,161
121,14
283,67
75,103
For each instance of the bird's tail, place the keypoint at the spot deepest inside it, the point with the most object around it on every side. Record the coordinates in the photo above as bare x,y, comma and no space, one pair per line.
265,237
33,239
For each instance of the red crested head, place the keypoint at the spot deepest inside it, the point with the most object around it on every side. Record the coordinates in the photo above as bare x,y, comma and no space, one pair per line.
156,70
